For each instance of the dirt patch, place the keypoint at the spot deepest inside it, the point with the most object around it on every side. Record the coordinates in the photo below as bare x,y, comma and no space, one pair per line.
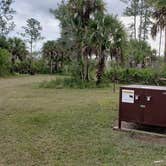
144,133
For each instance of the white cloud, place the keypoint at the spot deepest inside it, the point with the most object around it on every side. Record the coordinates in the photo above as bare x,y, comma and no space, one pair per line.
115,6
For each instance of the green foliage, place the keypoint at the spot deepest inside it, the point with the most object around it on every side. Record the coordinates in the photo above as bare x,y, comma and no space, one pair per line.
157,3
31,67
73,83
137,52
54,55
137,76
92,32
18,49
40,67
23,67
6,17
4,43
4,62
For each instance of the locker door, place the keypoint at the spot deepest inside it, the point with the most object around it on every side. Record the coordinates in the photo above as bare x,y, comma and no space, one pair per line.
155,112
132,112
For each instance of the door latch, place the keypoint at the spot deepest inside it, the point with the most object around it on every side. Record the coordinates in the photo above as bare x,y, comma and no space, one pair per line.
142,106
137,97
148,98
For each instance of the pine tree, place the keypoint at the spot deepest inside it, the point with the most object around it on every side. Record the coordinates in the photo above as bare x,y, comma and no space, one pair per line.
145,13
132,11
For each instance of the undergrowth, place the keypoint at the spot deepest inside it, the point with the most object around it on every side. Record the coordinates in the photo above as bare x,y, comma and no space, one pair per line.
61,83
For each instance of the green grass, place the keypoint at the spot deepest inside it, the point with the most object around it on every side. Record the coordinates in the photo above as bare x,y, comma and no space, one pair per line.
66,127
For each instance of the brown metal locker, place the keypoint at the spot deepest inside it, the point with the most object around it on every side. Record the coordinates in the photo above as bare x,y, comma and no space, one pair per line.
143,105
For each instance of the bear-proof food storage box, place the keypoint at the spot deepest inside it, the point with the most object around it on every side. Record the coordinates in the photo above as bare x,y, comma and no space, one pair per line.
143,105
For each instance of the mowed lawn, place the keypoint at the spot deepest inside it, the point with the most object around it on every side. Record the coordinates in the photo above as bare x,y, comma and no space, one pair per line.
66,127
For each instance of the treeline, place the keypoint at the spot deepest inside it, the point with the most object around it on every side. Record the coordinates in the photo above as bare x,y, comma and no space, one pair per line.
92,42
98,41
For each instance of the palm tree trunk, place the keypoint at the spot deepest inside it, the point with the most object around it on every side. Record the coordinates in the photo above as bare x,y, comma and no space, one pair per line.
160,43
51,67
86,68
165,48
101,66
135,29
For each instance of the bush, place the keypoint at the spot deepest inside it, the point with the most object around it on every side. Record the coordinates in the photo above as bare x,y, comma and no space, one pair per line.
5,62
22,67
40,67
71,83
138,76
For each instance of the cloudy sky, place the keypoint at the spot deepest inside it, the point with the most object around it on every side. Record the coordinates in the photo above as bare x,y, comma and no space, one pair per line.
39,9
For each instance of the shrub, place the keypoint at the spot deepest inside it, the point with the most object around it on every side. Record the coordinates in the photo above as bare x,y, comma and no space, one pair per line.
5,62
71,83
139,76
22,67
40,67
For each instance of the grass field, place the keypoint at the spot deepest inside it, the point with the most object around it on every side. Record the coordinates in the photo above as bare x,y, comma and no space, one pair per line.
66,127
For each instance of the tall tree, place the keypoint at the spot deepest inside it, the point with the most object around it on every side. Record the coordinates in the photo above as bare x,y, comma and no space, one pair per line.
32,32
132,11
75,17
107,37
6,17
140,10
159,24
145,12
91,31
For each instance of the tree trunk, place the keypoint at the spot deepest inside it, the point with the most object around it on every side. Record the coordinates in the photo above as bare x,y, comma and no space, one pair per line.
135,28
135,21
101,66
160,43
145,24
62,61
141,21
31,45
86,68
51,66
165,48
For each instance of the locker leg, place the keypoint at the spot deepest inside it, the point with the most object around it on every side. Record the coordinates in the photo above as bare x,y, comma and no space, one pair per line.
120,124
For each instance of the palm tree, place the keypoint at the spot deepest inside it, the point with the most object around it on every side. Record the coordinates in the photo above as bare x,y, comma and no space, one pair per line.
159,16
49,53
107,36
53,53
18,49
75,17
84,12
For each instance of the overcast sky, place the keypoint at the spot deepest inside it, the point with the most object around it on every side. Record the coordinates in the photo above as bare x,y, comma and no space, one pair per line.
39,9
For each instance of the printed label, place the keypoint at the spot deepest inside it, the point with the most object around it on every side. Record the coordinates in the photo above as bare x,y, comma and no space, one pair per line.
127,96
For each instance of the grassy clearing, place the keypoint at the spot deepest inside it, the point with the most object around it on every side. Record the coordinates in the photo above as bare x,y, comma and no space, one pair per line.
66,127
